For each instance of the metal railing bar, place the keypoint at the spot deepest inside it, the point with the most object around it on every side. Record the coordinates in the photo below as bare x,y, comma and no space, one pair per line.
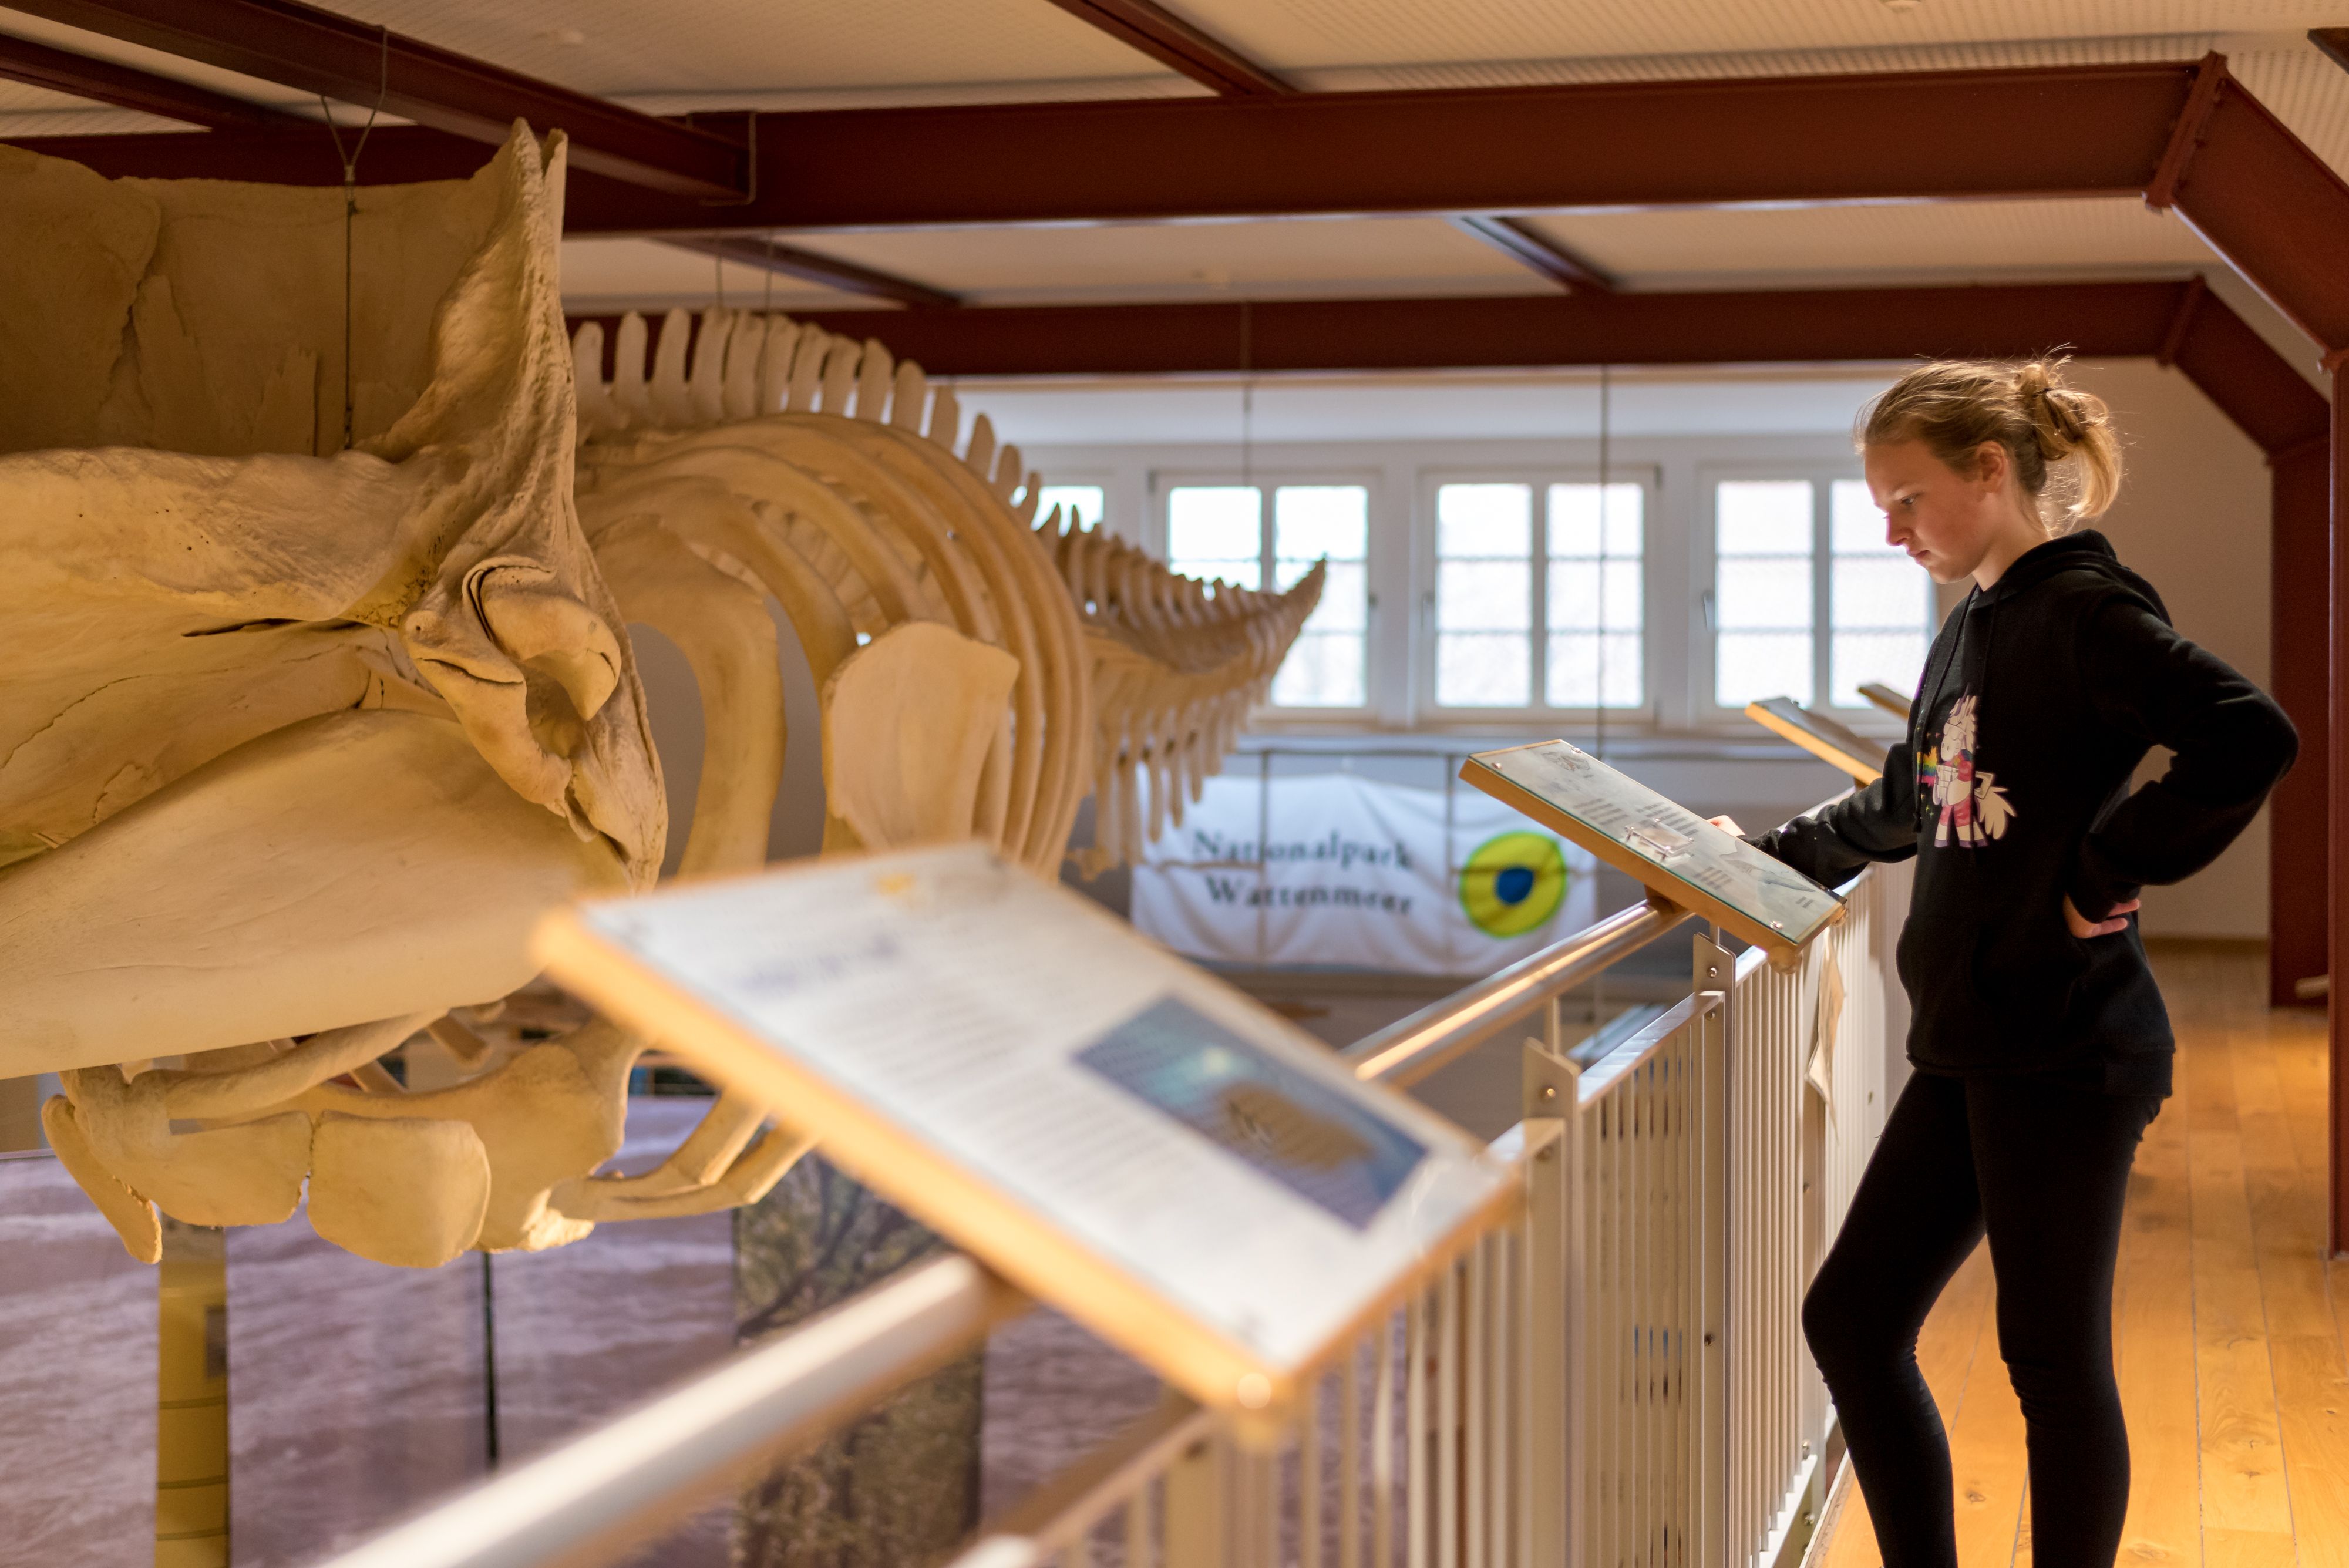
1404,1053
588,1501
1603,1075
1063,1508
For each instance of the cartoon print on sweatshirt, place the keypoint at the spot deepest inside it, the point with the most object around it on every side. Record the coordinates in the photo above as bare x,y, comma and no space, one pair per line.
1972,805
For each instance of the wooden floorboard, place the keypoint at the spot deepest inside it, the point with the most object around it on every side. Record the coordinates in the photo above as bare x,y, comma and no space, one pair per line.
2228,1317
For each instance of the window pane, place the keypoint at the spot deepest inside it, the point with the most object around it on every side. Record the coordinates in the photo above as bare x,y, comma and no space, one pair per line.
1213,522
1483,595
1086,503
1322,670
1576,526
1247,574
1595,595
1881,607
1880,591
1760,591
1345,601
1896,658
1751,665
1485,520
1482,670
1589,671
1763,517
1310,521
1853,522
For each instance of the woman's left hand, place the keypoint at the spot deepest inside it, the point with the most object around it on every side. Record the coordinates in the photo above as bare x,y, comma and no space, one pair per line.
2111,925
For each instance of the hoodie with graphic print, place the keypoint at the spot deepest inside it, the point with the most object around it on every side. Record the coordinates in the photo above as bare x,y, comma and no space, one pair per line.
2039,699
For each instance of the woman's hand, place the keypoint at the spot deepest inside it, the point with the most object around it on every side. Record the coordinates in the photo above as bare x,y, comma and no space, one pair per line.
2084,928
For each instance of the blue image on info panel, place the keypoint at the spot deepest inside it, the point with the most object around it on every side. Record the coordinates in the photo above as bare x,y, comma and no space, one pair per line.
1307,1135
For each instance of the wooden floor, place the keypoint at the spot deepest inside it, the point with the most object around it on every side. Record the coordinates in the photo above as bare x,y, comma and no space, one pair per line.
2228,1320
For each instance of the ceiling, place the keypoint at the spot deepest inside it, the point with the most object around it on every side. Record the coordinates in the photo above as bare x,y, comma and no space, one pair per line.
681,55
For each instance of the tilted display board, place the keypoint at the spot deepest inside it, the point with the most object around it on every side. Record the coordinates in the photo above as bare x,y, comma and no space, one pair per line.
1821,736
1678,854
1116,1132
1885,698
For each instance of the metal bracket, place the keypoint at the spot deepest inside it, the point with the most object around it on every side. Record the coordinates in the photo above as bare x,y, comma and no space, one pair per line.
1552,1084
1711,968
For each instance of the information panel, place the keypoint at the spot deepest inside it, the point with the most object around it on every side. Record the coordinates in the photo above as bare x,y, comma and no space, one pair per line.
1678,854
1885,698
1819,735
1116,1132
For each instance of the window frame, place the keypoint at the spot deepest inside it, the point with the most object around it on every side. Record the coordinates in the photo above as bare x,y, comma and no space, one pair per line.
1165,481
1704,567
1427,711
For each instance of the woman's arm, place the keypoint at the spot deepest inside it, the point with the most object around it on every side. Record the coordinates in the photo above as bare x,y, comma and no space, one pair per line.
1879,823
2232,744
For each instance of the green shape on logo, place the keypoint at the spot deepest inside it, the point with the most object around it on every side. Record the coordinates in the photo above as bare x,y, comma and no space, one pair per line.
1513,882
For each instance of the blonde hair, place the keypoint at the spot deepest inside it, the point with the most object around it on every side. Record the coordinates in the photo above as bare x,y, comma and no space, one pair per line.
1954,406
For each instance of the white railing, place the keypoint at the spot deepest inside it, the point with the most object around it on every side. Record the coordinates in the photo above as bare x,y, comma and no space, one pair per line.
1615,1378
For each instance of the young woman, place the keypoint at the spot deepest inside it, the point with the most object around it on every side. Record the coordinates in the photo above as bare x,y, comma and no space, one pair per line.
2041,1047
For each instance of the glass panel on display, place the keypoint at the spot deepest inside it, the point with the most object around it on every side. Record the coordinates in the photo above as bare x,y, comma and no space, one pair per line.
1326,668
1762,590
1676,853
1483,595
1088,503
1120,1134
1597,597
1880,602
1215,532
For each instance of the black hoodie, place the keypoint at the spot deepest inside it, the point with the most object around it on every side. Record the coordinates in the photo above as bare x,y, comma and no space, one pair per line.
2039,699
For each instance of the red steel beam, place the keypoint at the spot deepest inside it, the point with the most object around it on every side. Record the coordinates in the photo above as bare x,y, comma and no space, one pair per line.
1178,45
1271,336
122,86
2274,209
1524,243
2097,130
317,51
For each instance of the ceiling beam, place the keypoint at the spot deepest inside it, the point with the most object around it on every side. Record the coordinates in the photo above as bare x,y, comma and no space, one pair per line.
1524,243
814,267
317,51
1178,45
2089,131
124,86
2066,132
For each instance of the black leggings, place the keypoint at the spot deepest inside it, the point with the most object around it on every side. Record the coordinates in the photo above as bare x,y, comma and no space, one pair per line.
2043,1167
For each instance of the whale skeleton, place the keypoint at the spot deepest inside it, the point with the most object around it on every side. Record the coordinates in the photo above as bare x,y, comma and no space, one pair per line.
301,741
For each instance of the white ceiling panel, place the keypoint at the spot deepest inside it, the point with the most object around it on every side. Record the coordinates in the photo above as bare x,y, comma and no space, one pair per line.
1208,411
601,275
1181,260
621,47
1307,33
1954,241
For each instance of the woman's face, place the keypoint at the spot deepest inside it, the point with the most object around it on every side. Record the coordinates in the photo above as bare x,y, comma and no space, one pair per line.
1947,521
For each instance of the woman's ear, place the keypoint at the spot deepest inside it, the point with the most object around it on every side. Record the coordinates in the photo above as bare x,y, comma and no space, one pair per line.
1993,468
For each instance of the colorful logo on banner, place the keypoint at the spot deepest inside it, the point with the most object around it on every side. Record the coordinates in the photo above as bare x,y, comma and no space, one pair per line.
1513,882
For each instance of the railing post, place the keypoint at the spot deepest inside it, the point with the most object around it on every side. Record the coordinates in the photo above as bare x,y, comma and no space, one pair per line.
1197,1533
1715,972
1554,1391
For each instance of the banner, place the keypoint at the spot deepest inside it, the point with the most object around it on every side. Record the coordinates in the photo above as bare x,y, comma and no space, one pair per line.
1332,869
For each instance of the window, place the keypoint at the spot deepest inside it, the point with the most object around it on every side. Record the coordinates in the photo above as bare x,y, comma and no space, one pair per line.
1807,597
1589,601
1217,532
1882,602
1087,503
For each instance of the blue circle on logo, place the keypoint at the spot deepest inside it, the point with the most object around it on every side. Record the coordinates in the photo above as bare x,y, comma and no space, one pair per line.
1513,884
